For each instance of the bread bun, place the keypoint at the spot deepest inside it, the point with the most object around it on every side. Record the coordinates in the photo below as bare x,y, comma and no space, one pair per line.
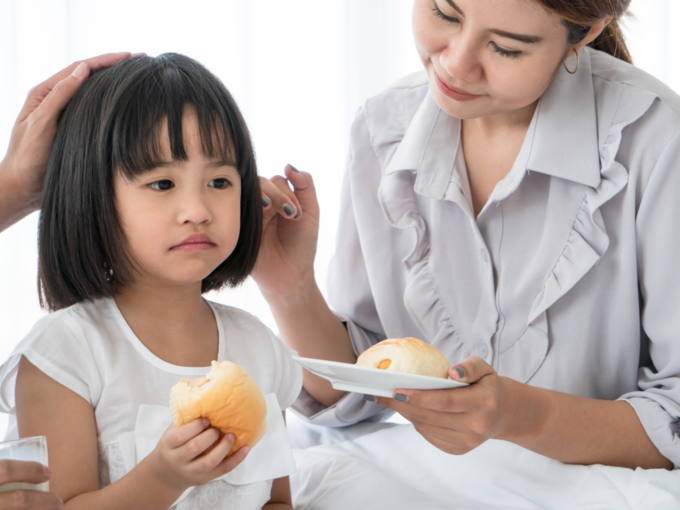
228,397
408,355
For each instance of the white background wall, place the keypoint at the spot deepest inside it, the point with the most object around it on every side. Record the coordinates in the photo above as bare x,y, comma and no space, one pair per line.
299,70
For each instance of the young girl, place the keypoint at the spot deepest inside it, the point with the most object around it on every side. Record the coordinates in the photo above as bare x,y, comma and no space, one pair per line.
151,199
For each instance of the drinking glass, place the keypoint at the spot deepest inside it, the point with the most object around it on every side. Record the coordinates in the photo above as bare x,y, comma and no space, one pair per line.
31,449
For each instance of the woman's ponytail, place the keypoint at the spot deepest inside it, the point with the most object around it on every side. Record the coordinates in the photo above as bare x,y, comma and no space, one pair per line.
579,16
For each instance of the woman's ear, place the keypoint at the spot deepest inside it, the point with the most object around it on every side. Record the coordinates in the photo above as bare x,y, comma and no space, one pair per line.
592,34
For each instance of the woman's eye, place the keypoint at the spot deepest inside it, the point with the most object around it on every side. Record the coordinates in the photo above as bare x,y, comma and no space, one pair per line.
437,12
504,53
162,185
220,183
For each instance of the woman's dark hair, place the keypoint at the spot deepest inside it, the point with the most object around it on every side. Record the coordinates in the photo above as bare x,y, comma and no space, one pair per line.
115,123
579,15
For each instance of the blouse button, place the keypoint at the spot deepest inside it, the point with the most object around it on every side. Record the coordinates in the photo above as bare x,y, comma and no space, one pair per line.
482,351
485,257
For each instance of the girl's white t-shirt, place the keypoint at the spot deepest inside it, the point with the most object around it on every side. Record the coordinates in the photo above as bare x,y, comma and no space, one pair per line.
90,349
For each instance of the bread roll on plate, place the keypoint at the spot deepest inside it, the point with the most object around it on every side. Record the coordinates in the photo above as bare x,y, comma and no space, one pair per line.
228,397
408,355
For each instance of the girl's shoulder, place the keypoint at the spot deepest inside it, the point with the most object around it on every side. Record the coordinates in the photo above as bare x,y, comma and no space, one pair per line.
65,345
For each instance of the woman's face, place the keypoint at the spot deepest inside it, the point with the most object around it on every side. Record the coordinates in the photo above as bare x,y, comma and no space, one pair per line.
487,57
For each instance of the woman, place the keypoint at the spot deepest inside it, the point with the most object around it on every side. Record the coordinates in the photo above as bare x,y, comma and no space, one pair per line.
512,205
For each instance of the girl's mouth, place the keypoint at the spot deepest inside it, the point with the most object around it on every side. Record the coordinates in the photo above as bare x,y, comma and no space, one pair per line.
195,242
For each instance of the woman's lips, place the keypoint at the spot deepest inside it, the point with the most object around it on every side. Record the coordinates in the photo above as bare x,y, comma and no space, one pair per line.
453,93
195,242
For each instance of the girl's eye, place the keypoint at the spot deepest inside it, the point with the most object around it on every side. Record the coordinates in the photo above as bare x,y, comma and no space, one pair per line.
437,12
220,183
504,53
162,185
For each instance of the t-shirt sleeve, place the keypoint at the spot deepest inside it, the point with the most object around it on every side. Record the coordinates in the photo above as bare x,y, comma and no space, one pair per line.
57,346
289,373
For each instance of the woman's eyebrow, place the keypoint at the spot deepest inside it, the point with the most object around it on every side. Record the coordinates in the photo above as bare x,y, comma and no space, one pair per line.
528,39
455,7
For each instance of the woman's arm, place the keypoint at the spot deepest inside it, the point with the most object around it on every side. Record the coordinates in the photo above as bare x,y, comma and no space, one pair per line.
21,172
285,275
569,428
45,407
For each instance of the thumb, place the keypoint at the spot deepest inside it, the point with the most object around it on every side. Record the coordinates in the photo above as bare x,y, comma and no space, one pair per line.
471,370
62,93
304,189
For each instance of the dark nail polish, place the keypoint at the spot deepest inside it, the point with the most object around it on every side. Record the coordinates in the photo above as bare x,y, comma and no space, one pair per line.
369,398
288,209
461,372
297,215
400,397
293,168
266,202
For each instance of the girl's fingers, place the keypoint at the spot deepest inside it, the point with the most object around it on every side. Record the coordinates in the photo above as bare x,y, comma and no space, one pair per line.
198,444
230,463
214,457
178,436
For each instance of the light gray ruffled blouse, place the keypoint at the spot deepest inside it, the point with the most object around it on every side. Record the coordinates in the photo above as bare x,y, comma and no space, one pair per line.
568,279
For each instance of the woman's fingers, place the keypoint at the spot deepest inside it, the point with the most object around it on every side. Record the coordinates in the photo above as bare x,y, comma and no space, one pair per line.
40,92
20,471
471,370
30,500
303,186
279,198
214,457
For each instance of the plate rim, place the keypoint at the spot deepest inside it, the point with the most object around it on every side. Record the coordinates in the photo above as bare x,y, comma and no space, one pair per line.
416,377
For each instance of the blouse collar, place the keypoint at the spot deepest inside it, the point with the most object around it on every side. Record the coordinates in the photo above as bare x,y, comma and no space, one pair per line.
562,140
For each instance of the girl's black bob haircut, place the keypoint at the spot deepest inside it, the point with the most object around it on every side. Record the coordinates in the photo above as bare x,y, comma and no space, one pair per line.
115,123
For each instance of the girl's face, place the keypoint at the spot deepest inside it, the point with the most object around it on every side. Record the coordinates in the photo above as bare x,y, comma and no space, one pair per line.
181,219
487,57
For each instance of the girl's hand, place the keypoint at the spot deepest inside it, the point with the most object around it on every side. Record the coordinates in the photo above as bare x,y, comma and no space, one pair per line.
460,419
179,457
289,235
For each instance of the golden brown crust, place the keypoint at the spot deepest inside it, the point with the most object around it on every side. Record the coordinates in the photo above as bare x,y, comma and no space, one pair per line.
408,355
228,397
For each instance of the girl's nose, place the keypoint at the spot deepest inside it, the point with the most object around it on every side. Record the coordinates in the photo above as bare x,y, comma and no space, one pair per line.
461,60
193,209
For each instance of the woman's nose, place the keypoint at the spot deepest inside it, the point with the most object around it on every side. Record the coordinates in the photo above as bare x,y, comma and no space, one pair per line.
461,60
193,208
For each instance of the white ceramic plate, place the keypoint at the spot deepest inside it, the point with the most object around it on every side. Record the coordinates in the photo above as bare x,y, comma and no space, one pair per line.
372,381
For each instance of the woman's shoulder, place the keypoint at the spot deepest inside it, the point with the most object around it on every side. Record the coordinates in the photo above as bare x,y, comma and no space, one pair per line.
609,73
383,119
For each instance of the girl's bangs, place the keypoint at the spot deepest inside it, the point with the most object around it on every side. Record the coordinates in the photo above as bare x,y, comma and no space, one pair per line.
152,108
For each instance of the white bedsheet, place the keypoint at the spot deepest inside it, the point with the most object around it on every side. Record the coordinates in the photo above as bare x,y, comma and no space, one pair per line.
390,466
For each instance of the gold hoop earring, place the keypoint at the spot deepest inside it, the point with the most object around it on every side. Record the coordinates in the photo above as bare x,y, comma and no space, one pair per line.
578,63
